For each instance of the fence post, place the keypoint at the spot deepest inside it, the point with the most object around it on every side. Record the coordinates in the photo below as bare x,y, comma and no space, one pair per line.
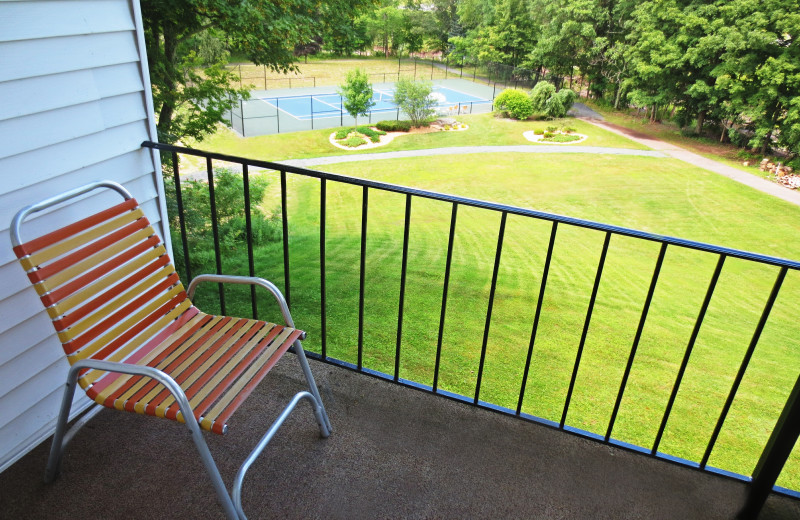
415,68
776,452
311,104
240,75
431,69
341,111
241,109
265,77
461,69
446,66
278,112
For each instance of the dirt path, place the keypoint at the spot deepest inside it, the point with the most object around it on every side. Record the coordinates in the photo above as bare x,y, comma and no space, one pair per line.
694,159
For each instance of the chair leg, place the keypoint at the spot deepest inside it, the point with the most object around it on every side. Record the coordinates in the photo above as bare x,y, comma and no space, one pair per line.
319,413
57,448
312,384
212,470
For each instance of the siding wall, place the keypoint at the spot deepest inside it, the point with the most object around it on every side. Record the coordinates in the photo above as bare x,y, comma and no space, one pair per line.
74,107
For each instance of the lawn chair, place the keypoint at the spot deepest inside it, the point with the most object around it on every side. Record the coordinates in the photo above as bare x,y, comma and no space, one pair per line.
136,343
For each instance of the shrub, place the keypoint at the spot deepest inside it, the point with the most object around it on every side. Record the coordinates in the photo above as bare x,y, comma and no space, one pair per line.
560,138
414,98
568,129
538,131
515,103
567,97
342,133
354,141
374,135
540,94
548,134
395,126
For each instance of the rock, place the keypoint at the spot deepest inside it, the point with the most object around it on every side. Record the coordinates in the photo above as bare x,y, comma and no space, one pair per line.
746,163
445,121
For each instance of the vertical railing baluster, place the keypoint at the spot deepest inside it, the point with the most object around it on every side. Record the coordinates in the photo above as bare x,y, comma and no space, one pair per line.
685,362
585,329
499,251
362,269
535,327
402,298
445,287
285,223
181,216
248,224
323,293
636,339
215,230
776,452
743,367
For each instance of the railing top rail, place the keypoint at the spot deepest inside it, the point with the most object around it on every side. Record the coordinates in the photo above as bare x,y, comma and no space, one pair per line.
513,210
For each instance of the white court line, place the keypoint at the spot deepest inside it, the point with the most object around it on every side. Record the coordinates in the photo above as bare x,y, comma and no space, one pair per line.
325,102
278,108
483,100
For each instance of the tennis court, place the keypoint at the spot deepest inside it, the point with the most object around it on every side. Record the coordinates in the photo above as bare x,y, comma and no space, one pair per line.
331,105
280,111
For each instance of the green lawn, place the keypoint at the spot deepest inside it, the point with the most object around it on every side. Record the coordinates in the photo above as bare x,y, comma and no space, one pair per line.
484,130
662,196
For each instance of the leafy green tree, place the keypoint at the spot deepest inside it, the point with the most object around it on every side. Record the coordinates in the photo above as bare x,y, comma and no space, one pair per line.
228,191
191,100
356,94
759,69
414,98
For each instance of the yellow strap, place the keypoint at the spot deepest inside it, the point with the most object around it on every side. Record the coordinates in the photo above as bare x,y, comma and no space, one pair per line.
75,299
135,343
94,260
111,307
75,242
119,382
140,405
244,379
161,410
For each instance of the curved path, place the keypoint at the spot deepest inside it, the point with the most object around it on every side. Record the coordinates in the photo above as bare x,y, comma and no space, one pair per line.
588,115
456,150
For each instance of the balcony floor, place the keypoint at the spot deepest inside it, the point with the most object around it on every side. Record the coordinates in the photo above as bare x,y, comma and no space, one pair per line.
394,453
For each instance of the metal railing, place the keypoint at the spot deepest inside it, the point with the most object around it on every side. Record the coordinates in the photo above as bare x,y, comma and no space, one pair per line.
782,438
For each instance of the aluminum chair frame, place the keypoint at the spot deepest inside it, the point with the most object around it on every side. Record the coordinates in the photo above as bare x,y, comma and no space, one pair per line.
231,502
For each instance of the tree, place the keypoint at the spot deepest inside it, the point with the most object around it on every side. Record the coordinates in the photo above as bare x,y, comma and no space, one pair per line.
356,94
414,98
191,100
543,91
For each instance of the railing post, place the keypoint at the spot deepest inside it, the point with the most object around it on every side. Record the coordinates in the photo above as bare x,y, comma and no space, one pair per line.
776,452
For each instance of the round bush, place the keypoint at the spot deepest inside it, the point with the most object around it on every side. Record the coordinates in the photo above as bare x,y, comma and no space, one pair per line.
515,103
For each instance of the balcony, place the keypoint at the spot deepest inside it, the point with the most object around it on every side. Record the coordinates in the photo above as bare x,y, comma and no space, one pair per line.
395,453
398,449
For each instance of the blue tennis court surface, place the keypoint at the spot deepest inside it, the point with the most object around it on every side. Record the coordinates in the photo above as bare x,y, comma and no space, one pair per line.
330,105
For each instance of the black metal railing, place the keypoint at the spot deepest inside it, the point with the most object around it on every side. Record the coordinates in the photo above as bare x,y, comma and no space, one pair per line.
782,438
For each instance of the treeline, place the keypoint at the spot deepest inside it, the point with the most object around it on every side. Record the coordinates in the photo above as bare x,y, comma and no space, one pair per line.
730,66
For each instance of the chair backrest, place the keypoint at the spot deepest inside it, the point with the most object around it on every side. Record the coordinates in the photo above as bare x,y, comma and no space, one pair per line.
106,281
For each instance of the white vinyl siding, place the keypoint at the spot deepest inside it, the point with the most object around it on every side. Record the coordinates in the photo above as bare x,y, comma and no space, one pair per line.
74,108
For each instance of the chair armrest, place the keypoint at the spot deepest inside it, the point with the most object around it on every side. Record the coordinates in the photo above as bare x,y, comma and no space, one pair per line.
137,370
245,280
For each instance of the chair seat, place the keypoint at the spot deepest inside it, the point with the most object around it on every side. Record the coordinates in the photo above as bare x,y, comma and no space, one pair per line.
217,361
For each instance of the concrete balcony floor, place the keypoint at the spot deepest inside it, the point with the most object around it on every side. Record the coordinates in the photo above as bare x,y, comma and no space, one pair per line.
394,453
